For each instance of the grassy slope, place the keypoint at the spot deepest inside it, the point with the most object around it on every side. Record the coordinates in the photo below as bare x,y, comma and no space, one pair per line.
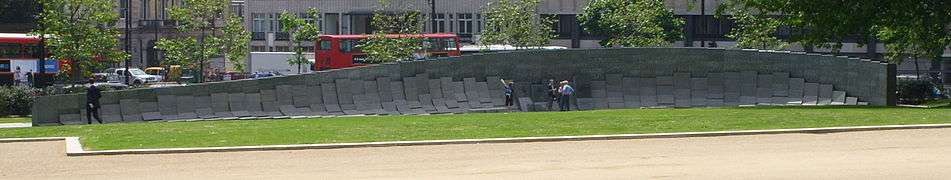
14,120
398,128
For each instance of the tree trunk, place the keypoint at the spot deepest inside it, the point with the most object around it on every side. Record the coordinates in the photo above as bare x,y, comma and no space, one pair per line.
77,73
917,71
201,56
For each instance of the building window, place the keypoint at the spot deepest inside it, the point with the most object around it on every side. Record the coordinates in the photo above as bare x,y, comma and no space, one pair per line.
478,29
258,22
325,45
258,49
122,9
450,23
282,49
275,22
465,23
237,7
440,22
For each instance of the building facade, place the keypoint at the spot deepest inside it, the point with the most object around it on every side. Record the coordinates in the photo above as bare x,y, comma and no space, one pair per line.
149,21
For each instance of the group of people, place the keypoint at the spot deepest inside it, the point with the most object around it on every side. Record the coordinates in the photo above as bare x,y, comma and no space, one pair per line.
557,92
22,79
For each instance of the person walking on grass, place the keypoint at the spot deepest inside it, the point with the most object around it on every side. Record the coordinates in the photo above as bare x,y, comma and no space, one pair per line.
509,91
566,91
92,102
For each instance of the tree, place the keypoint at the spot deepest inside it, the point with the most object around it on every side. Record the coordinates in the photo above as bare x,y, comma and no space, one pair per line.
234,42
919,28
178,51
300,31
82,31
201,17
752,30
632,23
404,40
516,23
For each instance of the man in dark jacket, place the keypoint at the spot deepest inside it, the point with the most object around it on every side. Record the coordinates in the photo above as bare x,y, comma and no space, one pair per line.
92,102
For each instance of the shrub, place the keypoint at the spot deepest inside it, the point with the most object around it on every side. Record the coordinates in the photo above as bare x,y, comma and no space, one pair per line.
915,91
16,100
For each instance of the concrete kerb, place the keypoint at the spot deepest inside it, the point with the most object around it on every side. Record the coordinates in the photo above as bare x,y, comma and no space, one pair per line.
74,147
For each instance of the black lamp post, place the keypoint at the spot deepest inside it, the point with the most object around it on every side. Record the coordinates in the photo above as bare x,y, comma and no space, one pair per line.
128,43
39,82
432,14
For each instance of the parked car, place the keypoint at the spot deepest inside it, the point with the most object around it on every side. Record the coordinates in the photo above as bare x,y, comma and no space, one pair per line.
136,76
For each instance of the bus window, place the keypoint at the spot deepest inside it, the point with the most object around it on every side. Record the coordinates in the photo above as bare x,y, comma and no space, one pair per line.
450,44
9,50
34,51
325,45
347,45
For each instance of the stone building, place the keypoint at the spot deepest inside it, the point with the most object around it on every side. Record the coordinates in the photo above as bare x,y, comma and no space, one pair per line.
150,21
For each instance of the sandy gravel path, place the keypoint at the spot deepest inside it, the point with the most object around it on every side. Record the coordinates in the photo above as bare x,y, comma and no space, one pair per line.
896,154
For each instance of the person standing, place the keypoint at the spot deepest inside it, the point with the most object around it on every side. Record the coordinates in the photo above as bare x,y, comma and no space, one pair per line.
92,102
16,76
566,91
29,78
509,91
552,94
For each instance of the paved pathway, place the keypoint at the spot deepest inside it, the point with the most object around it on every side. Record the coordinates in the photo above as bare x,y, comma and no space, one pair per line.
896,154
15,125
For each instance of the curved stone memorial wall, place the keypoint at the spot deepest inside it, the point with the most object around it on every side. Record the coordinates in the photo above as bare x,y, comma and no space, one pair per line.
604,78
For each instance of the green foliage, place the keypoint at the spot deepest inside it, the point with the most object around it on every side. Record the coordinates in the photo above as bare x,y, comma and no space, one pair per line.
915,91
404,27
197,14
16,100
199,18
473,126
300,31
516,23
82,31
632,23
235,40
753,30
915,27
178,51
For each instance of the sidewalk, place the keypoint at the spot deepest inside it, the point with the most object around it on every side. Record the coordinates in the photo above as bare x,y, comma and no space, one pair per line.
15,125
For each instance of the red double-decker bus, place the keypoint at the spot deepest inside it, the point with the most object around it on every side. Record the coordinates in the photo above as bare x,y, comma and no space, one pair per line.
23,51
341,51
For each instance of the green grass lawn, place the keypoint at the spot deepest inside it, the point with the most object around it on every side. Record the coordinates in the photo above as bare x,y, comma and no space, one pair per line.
14,120
440,127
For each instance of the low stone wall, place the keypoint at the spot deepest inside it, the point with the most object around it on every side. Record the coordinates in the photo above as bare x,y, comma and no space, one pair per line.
433,86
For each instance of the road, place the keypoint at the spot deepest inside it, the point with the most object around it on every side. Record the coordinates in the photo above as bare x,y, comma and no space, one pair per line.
895,154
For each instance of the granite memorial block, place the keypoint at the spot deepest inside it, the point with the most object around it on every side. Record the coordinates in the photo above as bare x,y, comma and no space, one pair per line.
715,89
631,93
838,97
852,101
254,103
764,91
682,89
731,88
648,92
130,110
698,92
748,88
810,94
284,94
825,94
796,91
110,113
167,104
